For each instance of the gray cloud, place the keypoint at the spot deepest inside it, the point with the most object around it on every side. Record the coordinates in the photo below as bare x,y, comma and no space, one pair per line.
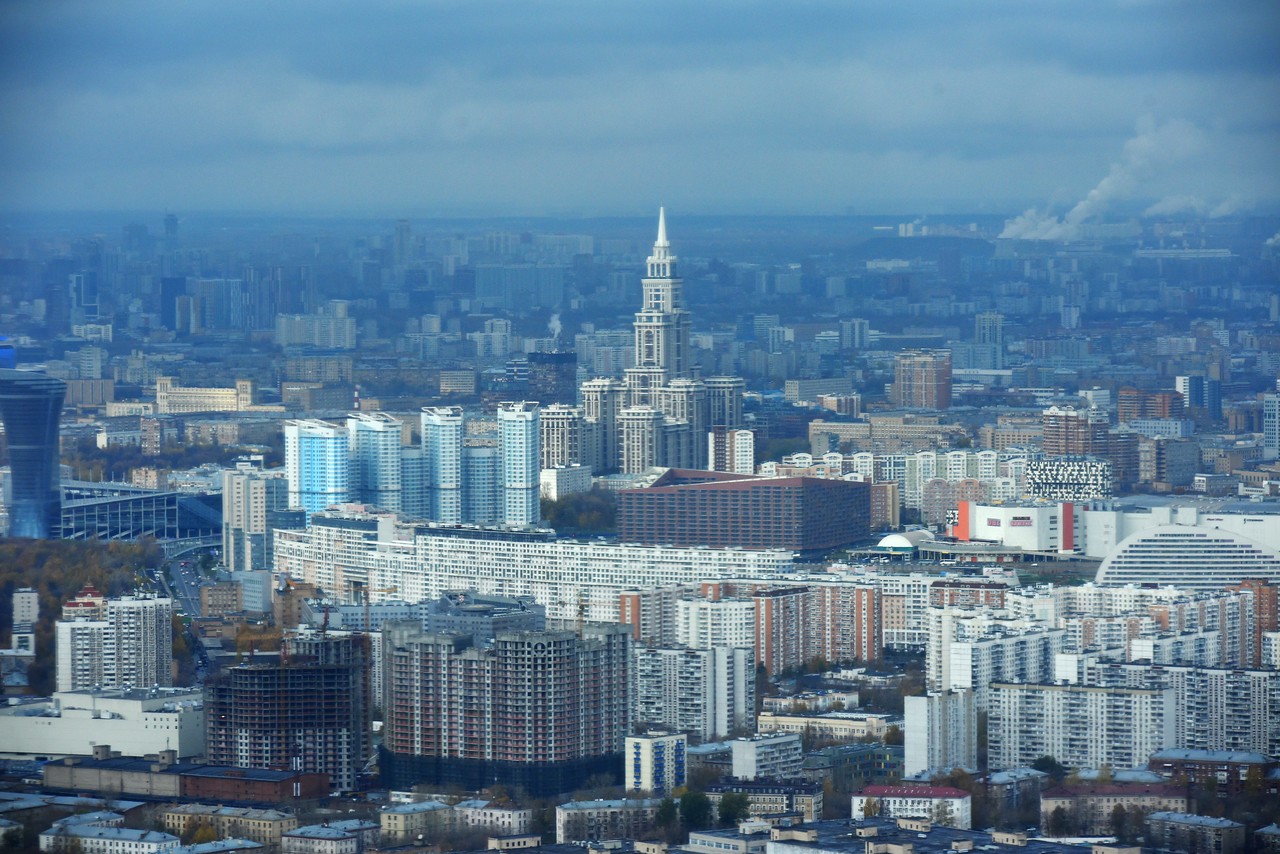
442,107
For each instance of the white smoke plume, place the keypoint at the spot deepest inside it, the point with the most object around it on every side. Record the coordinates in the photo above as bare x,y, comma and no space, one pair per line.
1233,204
1153,147
1170,205
1274,240
553,326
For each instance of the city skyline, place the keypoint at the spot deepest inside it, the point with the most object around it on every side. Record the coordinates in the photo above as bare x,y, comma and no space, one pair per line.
455,110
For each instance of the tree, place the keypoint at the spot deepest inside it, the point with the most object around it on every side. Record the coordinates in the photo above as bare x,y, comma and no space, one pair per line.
667,815
1052,767
870,808
204,833
734,807
943,814
695,810
1059,823
893,735
1120,823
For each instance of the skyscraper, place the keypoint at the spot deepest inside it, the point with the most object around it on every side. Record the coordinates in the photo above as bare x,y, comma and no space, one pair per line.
659,415
253,502
375,459
1271,426
442,431
317,464
30,404
521,488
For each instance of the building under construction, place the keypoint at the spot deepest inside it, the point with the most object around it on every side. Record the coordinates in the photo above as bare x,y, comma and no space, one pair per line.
537,711
308,712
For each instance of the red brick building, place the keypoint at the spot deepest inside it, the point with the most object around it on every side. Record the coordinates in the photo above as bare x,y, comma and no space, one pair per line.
698,508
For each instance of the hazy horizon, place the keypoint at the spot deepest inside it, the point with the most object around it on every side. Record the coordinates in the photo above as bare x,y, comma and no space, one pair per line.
477,110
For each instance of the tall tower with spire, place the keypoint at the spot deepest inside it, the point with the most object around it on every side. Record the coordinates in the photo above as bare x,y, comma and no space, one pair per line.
662,326
660,414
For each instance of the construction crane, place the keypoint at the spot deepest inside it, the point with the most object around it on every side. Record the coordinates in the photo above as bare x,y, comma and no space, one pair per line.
368,592
580,609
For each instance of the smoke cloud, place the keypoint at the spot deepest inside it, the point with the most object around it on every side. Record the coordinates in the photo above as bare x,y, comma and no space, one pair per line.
1154,147
553,325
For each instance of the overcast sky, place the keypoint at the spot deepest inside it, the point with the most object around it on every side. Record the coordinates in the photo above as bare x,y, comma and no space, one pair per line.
432,108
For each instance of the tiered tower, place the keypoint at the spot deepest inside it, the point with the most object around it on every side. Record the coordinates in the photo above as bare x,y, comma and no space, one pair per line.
661,413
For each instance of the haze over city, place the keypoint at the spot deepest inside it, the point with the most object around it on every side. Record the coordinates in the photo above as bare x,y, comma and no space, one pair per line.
601,109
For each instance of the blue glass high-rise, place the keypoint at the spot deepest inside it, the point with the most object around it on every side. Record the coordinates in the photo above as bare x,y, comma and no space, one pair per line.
30,404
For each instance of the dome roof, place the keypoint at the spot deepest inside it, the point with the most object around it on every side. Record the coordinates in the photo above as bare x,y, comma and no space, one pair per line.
906,541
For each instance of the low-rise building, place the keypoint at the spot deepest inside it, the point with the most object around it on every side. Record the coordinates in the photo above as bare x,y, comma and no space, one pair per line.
1180,831
833,726
260,825
338,837
499,819
99,839
773,797
402,824
776,756
943,805
136,722
1229,772
1087,810
587,821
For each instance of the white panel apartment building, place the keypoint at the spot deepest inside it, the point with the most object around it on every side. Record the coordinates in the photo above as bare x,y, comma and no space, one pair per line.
132,646
1080,726
709,692
971,649
350,549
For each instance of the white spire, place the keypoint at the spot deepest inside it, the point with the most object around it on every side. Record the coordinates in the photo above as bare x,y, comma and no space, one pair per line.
662,229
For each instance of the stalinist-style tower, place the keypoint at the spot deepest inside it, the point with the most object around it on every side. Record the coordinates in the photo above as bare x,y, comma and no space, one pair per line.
661,414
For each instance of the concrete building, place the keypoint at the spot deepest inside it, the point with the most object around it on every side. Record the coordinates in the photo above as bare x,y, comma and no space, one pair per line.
773,797
374,453
138,722
937,804
317,464
350,550
131,646
659,415
709,693
654,762
1089,806
441,695
96,839
264,826
521,489
828,726
254,503
1080,726
921,379
590,821
775,756
941,733
309,711
687,508
1181,831
349,836
30,407
732,451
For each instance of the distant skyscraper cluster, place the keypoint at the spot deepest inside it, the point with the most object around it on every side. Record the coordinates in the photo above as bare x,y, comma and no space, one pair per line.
452,476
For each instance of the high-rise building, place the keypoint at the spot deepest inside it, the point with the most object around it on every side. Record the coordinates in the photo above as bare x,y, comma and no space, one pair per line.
541,711
252,504
562,437
317,464
921,379
442,433
707,692
659,414
553,377
374,439
131,644
1271,426
308,711
518,441
731,450
941,733
30,404
1072,432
